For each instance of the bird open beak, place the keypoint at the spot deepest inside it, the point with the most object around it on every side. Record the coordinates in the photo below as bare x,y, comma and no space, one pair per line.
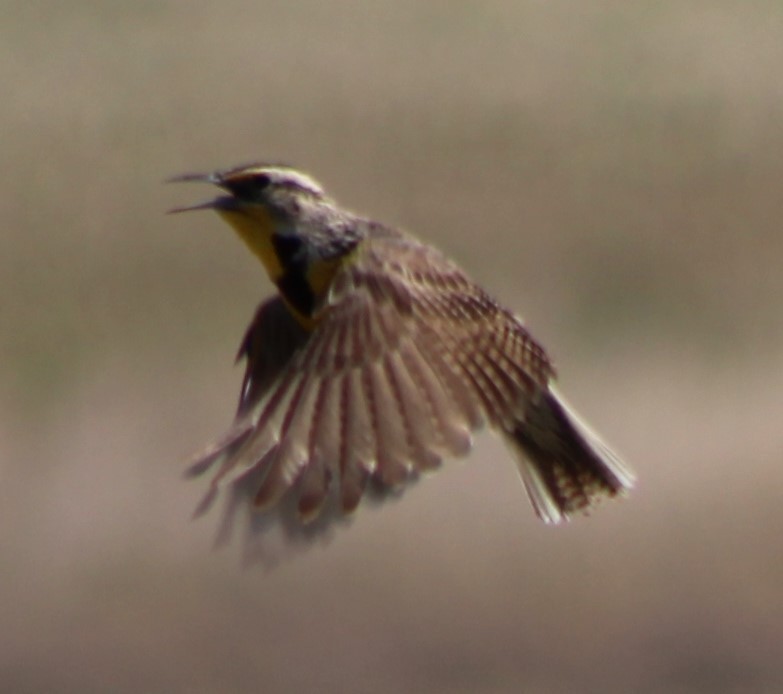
224,203
209,205
190,177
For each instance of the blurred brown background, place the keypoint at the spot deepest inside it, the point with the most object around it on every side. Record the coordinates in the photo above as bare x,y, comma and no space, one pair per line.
611,170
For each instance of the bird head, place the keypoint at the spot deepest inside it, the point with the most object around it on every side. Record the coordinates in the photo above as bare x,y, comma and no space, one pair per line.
264,203
275,189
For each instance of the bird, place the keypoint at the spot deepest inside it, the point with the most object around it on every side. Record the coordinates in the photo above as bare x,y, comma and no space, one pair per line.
377,359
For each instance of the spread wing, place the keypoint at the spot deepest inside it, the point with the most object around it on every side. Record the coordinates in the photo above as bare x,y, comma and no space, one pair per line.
408,357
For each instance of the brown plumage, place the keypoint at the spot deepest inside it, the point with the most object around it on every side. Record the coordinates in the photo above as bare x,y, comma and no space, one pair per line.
402,358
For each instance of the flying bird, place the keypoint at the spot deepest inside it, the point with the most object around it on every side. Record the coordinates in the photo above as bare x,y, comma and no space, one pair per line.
377,359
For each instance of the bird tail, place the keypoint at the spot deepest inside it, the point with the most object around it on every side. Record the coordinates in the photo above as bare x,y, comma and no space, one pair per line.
566,468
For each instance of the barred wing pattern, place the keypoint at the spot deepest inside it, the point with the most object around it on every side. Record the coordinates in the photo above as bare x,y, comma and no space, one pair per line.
409,357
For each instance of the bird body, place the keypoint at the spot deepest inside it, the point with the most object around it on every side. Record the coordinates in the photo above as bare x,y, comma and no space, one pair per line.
378,359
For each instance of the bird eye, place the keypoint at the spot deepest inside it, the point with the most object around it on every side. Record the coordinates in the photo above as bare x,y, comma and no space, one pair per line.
261,181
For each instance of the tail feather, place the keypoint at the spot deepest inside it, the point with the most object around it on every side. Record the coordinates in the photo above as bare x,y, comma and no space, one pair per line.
565,466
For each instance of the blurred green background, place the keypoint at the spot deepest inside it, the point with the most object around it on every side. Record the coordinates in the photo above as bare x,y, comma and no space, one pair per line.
611,170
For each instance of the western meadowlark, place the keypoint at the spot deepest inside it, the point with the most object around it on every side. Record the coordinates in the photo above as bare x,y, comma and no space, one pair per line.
378,358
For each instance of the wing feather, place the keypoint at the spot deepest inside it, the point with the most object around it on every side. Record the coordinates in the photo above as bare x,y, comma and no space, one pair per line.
421,431
326,429
443,394
291,454
407,359
357,450
391,445
312,487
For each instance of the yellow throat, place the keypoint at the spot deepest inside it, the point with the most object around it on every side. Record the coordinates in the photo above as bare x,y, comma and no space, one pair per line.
255,227
312,281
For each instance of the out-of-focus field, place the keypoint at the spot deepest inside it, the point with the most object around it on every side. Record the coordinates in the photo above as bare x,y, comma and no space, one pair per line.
611,170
